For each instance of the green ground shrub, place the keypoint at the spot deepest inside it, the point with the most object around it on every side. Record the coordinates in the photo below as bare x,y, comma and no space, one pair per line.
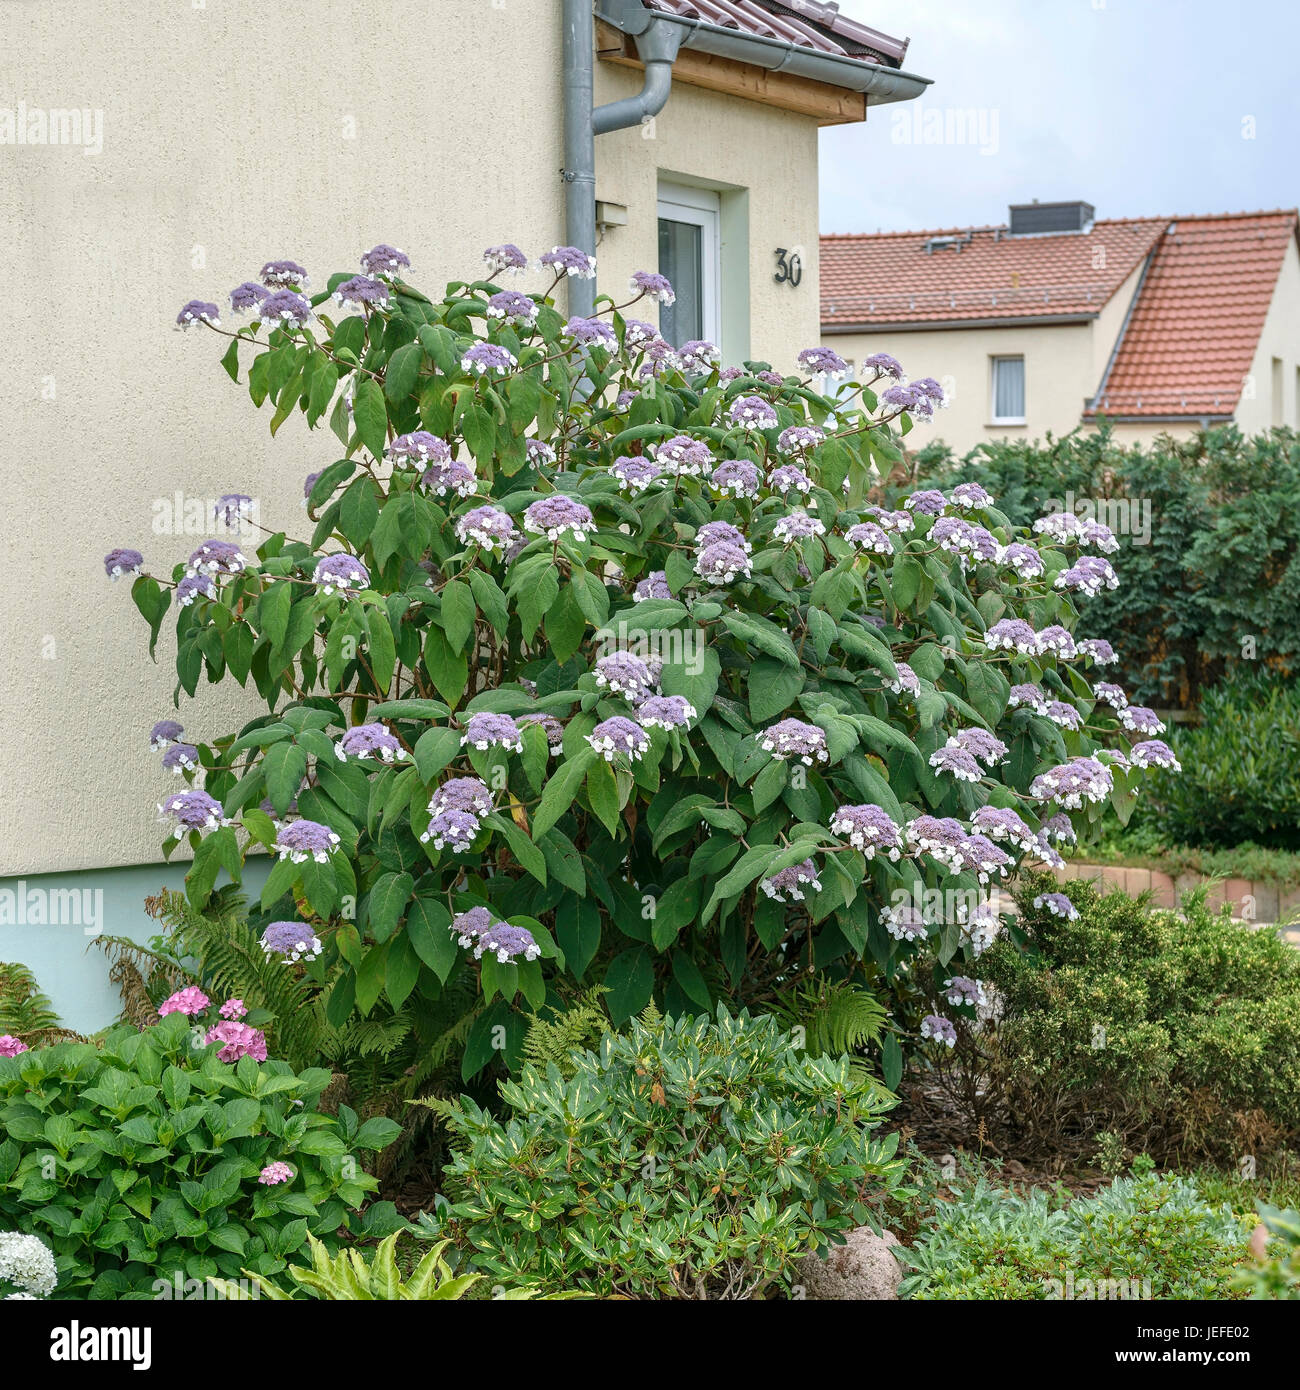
1140,1238
1181,1034
1240,778
688,1158
139,1161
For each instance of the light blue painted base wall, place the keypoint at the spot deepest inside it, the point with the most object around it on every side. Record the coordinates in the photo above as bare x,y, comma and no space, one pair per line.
47,922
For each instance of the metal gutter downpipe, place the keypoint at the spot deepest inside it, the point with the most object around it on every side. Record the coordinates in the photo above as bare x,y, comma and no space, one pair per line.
657,43
579,172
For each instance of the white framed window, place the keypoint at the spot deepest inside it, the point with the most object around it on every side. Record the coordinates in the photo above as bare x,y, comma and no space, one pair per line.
1008,391
690,255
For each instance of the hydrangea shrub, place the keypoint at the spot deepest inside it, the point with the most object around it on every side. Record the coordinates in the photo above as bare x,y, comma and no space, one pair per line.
161,1158
599,661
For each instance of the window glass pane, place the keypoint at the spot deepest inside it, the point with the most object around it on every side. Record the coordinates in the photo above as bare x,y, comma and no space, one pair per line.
1009,388
681,260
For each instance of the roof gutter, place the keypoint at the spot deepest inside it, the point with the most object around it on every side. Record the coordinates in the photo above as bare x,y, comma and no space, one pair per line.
657,42
880,84
935,325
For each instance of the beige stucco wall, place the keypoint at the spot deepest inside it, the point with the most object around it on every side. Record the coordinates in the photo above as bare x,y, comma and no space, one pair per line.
234,132
1058,375
1280,338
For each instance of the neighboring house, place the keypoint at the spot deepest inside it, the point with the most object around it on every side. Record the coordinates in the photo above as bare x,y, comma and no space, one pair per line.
1056,320
210,138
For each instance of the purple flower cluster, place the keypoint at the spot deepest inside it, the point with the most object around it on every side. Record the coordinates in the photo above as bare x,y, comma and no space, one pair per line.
478,928
483,359
291,941
869,828
822,361
787,885
653,286
455,811
123,562
488,527
192,810
216,557
486,730
285,309
283,275
792,738
370,741
513,307
665,712
635,472
752,413
683,457
619,735
362,292
1071,784
342,573
569,260
799,439
385,261
198,311
735,478
508,258
557,516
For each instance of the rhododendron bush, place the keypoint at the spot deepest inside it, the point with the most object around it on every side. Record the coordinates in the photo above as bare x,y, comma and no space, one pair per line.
594,662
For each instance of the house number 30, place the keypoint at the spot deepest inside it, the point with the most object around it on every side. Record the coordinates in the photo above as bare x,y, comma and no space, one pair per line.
789,267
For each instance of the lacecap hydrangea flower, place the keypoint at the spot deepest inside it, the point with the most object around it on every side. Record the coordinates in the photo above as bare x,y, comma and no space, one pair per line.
513,307
619,736
122,561
557,516
653,286
192,810
285,309
290,940
635,472
508,258
362,292
869,828
1058,905
822,361
247,298
665,712
936,1028
486,730
417,450
385,260
488,527
198,311
340,574
792,738
370,741
283,275
304,840
569,260
787,885
483,359
216,557
164,733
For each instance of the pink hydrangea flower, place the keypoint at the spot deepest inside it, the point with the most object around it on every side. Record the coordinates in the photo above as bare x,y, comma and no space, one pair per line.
233,1009
275,1173
189,1001
11,1046
238,1040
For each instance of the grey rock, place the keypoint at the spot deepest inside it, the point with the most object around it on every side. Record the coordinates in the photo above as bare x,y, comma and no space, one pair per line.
863,1267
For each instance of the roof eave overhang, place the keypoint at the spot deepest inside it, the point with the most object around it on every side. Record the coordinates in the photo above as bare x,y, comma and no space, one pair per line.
1207,417
944,325
880,85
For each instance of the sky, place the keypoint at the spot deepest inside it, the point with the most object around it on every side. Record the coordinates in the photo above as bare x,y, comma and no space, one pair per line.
1139,107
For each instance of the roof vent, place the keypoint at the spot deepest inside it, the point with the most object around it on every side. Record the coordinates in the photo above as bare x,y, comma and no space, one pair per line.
1035,219
946,243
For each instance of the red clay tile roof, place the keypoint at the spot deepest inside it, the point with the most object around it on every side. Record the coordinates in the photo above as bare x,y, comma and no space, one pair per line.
808,23
1192,336
890,278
